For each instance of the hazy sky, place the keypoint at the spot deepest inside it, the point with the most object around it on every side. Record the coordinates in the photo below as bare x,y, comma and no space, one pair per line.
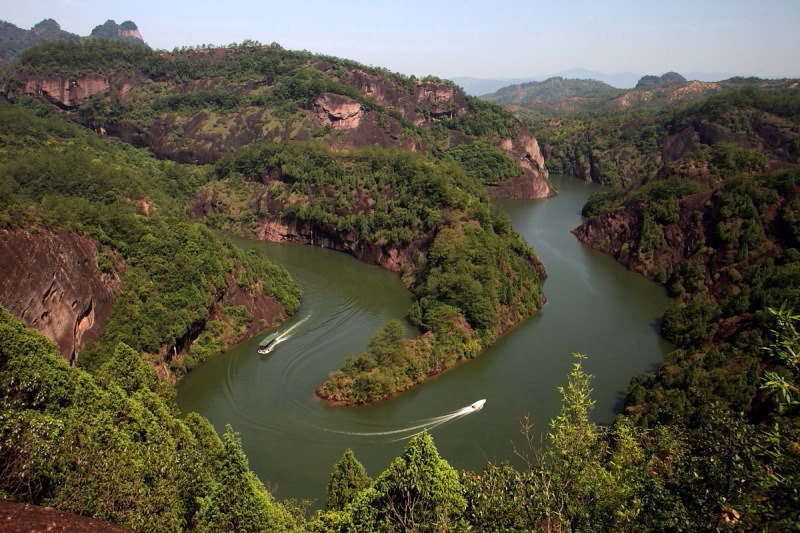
479,38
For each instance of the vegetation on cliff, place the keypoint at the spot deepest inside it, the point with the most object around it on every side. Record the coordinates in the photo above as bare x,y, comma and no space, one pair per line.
727,249
721,233
471,275
194,105
55,174
621,148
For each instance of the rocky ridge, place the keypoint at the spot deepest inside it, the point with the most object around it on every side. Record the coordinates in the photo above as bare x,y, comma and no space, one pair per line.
376,110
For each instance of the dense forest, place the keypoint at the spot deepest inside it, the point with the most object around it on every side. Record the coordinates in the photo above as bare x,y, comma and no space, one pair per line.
54,174
618,148
705,200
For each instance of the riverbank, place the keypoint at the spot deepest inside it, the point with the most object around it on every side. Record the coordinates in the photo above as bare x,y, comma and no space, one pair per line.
594,306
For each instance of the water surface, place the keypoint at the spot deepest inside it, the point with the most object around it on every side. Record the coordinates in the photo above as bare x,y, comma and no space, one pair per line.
595,307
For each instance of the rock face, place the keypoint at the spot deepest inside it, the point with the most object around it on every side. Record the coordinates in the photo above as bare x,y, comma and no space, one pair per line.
340,112
436,98
391,258
70,91
764,132
265,311
533,183
51,280
692,237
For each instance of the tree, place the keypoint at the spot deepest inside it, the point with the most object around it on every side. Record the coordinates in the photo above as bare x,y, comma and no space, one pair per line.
239,502
348,478
418,492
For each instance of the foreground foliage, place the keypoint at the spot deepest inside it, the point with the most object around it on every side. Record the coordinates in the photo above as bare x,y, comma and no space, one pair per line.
722,474
111,445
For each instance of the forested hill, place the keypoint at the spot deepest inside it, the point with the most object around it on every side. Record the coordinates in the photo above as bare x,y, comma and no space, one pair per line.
15,40
97,249
550,89
621,148
193,105
582,98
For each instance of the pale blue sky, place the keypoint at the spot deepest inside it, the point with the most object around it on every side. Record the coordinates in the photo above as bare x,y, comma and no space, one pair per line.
489,38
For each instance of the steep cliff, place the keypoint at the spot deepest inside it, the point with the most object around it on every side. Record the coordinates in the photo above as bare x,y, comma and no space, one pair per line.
69,91
194,106
391,257
52,281
159,283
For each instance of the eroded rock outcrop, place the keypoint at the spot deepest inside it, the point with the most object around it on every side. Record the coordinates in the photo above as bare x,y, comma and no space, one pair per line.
51,280
392,258
265,311
338,111
534,182
71,91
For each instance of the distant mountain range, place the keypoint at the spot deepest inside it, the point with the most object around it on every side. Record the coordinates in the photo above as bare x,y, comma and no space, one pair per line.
562,96
550,89
620,80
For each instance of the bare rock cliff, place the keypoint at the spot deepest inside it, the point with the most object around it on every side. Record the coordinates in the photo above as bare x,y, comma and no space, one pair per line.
534,182
71,91
392,258
51,280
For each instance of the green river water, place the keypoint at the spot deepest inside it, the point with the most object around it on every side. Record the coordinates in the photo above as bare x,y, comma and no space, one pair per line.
595,307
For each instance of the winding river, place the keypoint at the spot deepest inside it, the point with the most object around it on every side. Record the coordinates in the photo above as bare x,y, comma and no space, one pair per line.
595,307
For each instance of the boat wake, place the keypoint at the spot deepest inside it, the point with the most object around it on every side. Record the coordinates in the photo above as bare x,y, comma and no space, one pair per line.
418,426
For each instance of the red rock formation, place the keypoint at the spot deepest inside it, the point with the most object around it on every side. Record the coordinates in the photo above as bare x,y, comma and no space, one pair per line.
391,258
526,152
129,33
71,91
265,311
27,518
51,280
340,112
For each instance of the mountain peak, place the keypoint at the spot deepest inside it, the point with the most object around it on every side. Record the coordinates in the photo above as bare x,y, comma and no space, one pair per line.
45,26
111,30
650,80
